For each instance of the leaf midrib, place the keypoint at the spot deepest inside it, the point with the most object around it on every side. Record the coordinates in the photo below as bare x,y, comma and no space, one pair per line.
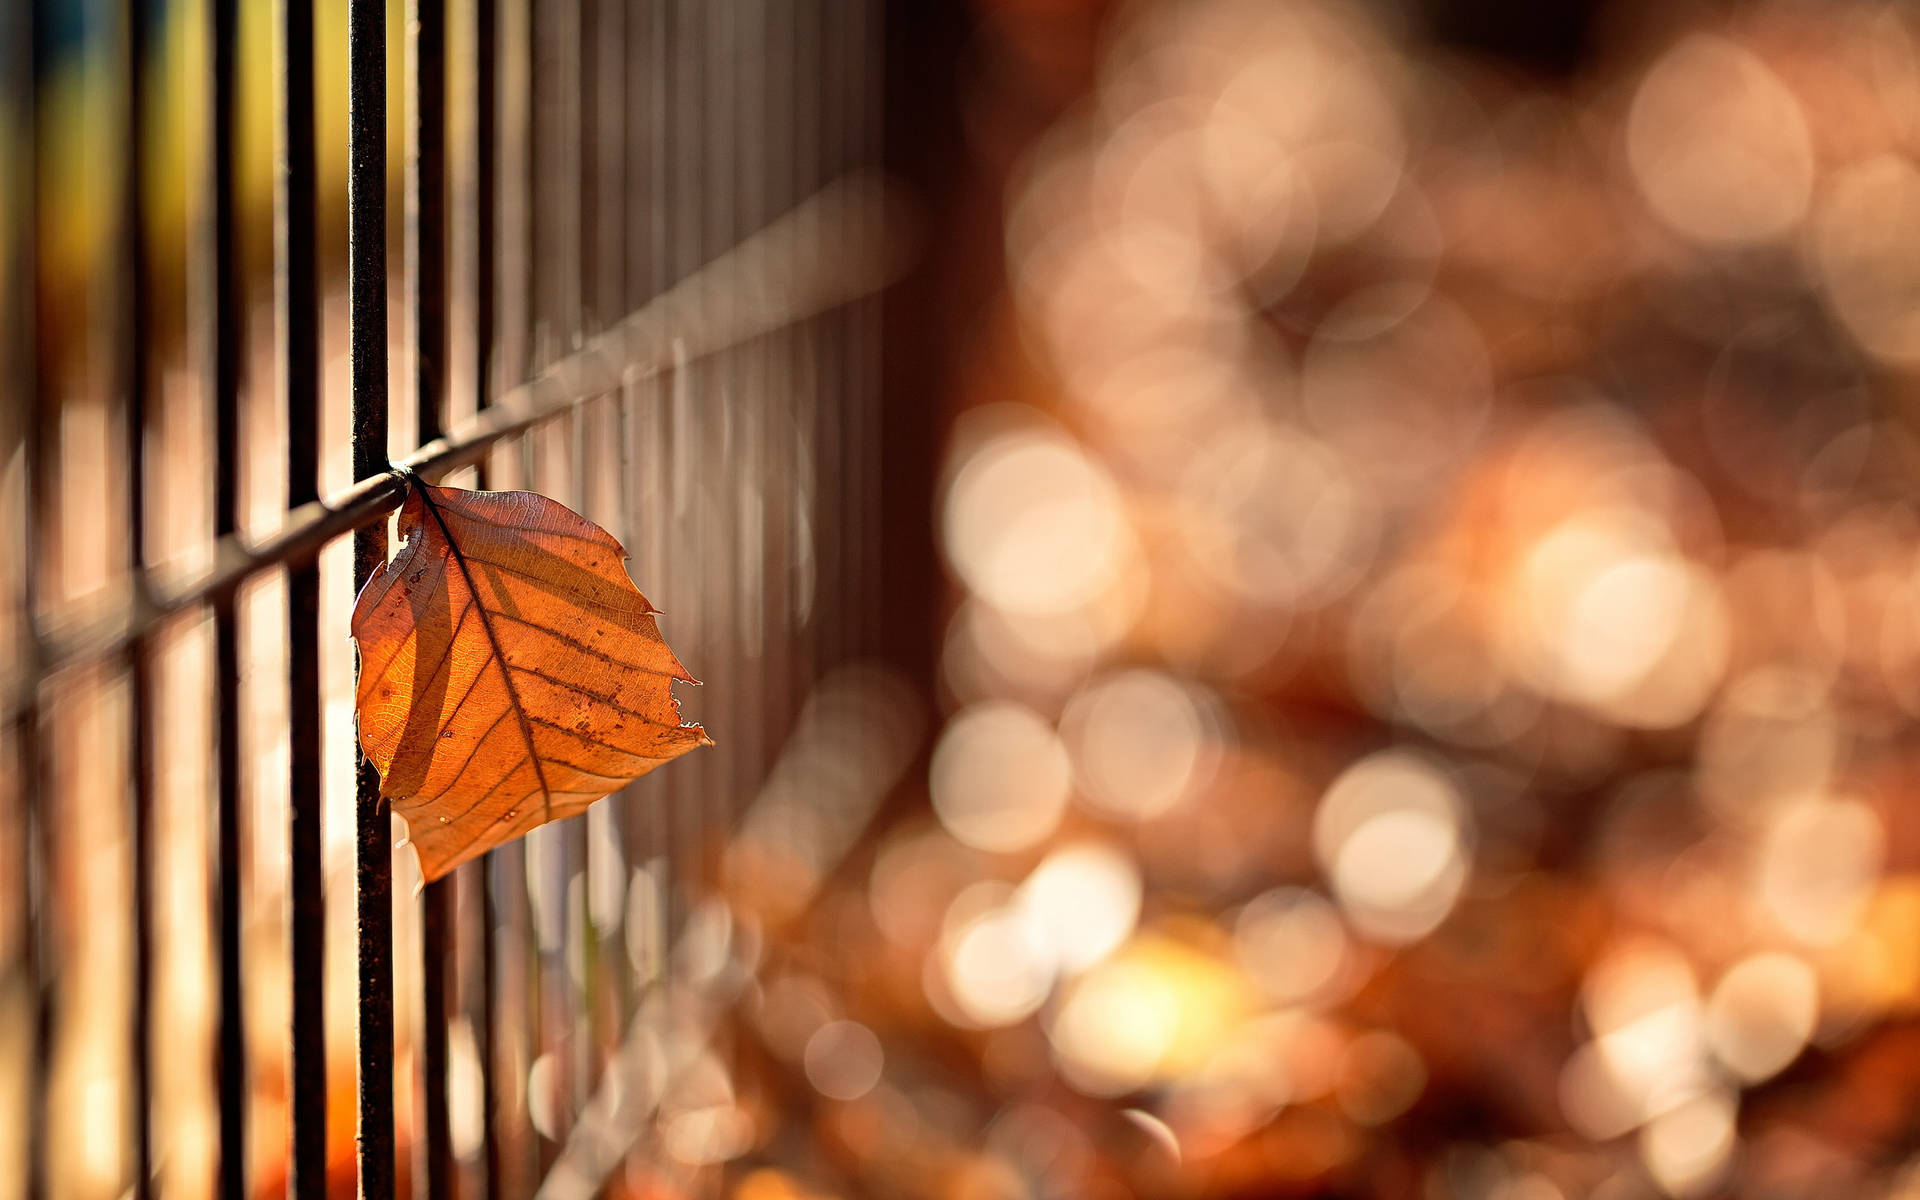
499,656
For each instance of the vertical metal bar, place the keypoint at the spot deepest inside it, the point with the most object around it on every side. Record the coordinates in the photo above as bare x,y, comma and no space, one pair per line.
427,210
756,551
545,229
135,294
583,74
612,991
802,527
589,164
569,219
543,232
516,989
486,170
577,65
686,183
658,265
486,35
427,283
631,211
781,382
436,1141
488,883
719,149
223,281
673,450
298,305
367,297
537,160
833,68
830,407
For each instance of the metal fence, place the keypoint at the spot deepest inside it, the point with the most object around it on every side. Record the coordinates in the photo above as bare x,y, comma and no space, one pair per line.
636,256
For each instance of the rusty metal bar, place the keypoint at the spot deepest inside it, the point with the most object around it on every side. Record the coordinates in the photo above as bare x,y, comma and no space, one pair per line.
479,875
221,267
367,288
426,267
298,312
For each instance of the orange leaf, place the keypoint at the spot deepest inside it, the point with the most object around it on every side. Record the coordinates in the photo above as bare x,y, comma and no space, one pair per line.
510,672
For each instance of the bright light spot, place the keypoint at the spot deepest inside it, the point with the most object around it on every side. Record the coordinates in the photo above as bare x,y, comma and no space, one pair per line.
1389,833
997,969
1034,525
1395,859
466,1112
1818,866
645,918
1616,621
1630,611
606,870
1139,741
100,1129
1761,1014
710,941
1718,145
1687,1149
1000,777
844,1060
1083,901
1158,1010
1291,943
1643,1005
1114,1028
543,1096
1381,1075
1595,1102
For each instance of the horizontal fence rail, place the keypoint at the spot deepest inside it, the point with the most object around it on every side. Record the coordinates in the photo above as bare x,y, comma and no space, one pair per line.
625,254
809,262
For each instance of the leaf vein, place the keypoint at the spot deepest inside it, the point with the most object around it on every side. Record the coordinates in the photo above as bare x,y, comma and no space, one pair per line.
583,648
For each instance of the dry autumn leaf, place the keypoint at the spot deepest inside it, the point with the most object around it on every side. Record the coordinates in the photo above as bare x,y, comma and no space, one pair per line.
510,672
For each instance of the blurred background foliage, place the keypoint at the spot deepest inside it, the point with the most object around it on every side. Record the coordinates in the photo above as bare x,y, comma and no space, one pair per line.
1429,665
